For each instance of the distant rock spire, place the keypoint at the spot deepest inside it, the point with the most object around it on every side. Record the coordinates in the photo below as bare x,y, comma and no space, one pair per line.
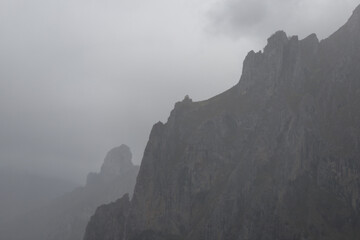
116,162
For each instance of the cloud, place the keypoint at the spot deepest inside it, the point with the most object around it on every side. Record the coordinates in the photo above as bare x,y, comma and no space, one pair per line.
260,18
80,77
237,17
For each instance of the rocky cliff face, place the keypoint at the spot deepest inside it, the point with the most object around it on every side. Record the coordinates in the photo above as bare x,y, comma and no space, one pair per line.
66,217
275,157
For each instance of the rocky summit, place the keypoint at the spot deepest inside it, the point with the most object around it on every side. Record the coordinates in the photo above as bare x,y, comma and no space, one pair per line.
275,157
65,218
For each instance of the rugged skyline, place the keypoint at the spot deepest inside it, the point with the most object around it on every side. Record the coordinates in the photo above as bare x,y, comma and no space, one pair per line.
79,77
276,157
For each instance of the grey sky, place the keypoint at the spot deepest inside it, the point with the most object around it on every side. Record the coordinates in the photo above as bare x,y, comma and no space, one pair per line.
78,77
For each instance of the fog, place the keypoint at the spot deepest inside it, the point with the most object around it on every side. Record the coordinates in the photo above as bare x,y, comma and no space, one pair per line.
80,77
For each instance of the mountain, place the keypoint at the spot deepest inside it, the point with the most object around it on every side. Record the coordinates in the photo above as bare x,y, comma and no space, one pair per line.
66,217
275,157
22,191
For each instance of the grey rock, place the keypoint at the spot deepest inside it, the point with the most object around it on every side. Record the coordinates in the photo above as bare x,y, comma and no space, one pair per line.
110,220
275,157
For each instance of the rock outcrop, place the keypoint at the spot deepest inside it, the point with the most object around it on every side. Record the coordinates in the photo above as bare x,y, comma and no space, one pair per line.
66,217
275,157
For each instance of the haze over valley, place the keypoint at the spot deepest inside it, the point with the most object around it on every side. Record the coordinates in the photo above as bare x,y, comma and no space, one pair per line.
169,120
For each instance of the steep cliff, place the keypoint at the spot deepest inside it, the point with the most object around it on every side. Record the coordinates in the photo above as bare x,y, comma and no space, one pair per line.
66,217
275,157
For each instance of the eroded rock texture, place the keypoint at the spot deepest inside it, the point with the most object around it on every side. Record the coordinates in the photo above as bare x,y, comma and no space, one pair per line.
275,157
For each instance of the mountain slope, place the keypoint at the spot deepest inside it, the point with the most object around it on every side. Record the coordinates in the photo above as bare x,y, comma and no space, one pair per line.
66,217
275,157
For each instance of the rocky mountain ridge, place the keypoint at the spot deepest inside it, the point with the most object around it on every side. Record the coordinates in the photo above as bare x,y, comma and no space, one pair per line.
274,157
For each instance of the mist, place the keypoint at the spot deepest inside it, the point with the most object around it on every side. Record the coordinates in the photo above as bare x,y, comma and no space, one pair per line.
80,77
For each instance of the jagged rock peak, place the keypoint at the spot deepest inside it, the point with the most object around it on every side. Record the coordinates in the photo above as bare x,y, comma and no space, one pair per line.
180,107
279,36
116,159
277,53
311,38
185,101
278,39
116,162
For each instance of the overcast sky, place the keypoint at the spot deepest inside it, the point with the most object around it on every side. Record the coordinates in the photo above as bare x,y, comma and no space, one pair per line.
78,77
